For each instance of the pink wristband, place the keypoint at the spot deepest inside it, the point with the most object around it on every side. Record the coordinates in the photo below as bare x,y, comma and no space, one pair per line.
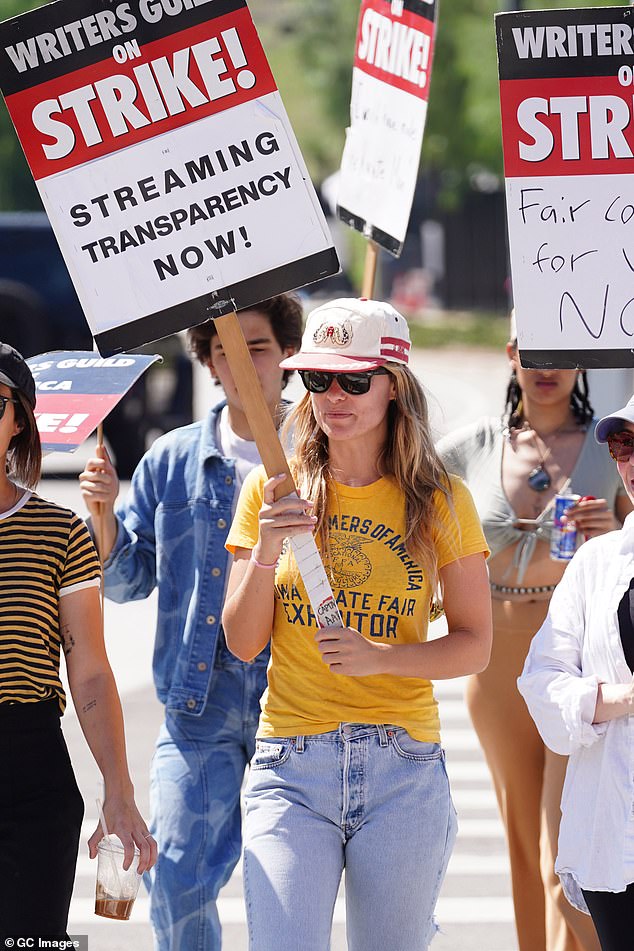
259,564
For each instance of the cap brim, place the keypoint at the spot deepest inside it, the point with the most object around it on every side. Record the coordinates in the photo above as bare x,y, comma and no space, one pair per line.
7,381
331,363
30,398
610,424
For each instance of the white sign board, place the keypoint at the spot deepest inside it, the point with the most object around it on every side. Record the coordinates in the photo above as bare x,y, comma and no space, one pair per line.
165,160
566,86
390,89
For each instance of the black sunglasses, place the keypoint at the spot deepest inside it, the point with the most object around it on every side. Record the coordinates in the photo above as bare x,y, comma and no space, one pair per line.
3,404
621,445
355,384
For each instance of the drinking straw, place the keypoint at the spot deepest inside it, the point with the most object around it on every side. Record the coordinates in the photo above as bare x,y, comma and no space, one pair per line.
104,828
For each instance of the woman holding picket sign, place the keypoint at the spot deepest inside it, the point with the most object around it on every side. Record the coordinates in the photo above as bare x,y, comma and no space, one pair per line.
348,771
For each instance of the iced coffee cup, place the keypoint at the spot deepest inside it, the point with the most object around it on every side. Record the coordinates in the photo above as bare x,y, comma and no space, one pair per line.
116,888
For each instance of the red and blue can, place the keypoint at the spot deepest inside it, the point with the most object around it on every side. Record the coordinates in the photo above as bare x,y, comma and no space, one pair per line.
563,540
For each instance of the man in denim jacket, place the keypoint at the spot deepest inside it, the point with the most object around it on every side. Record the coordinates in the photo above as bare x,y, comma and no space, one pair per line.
170,533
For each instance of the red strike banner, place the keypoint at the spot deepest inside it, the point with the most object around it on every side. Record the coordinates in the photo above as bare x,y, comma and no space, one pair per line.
68,420
99,110
556,127
398,51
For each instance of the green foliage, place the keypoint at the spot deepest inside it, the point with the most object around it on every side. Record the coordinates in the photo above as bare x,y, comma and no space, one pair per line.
461,329
327,50
17,189
310,46
463,136
463,125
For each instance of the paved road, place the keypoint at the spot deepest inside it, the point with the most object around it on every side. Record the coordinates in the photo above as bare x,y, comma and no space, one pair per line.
474,909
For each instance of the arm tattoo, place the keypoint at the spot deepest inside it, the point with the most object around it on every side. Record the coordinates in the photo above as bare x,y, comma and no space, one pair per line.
68,641
89,706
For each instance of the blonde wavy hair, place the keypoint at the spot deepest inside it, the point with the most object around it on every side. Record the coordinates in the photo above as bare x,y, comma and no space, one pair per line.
409,457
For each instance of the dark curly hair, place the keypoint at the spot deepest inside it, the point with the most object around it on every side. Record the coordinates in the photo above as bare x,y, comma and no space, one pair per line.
285,314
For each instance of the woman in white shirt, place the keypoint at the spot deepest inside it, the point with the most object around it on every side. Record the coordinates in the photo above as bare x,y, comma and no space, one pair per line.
579,688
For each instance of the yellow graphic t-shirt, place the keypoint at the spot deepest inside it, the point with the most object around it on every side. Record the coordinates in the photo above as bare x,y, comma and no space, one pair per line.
380,591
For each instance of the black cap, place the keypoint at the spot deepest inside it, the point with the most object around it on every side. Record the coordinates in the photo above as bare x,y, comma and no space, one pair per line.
15,372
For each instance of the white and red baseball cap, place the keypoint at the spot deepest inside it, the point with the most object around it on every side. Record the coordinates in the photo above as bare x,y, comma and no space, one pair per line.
351,335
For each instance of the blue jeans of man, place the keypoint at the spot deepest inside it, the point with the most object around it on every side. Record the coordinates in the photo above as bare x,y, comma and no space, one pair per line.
367,799
197,773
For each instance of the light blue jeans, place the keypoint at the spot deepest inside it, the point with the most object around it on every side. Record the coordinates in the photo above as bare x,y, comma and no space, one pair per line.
197,772
369,799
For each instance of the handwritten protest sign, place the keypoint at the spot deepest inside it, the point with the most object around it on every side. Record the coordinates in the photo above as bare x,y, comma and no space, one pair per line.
390,90
164,158
566,90
76,391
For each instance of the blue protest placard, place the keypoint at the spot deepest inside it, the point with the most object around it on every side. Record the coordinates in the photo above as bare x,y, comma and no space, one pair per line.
76,391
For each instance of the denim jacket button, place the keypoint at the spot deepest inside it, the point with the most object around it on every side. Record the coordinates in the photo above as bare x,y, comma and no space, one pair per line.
228,480
215,572
211,619
202,666
221,523
191,703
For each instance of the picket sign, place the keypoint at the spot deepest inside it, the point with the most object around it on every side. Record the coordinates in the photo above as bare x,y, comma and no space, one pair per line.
165,160
369,270
390,89
77,389
566,80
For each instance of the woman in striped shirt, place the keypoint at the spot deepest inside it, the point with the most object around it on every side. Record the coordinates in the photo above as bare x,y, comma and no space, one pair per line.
49,603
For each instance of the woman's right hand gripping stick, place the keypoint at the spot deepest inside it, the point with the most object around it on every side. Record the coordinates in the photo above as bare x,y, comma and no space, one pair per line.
279,520
248,612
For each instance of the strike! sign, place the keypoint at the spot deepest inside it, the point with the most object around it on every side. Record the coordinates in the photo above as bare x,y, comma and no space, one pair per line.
76,390
566,91
164,158
390,89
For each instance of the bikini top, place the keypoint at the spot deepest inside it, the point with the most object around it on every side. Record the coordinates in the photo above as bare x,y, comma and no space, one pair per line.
474,453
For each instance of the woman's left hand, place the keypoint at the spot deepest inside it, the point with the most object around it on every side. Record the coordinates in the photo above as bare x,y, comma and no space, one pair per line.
348,652
124,820
592,517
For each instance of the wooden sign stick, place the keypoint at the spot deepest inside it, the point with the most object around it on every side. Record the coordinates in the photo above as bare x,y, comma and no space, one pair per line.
369,271
272,454
253,403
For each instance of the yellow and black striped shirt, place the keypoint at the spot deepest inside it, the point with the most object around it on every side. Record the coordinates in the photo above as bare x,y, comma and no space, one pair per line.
45,552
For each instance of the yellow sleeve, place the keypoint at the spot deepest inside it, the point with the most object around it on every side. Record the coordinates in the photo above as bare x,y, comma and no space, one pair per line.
458,532
245,527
